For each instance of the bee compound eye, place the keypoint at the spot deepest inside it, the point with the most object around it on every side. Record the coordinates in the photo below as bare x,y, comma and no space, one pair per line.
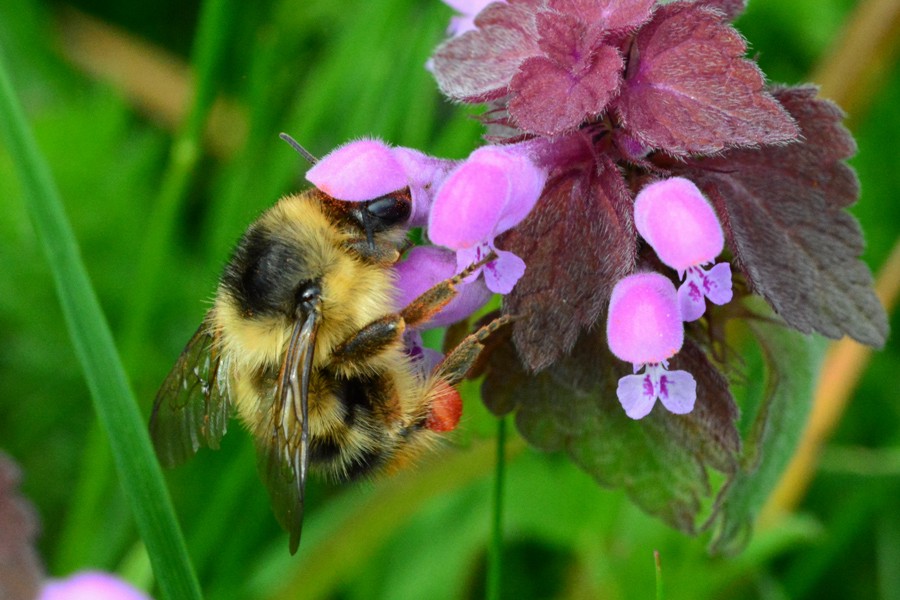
389,210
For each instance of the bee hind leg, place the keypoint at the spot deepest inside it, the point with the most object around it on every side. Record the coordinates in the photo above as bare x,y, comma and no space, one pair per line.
431,301
454,367
444,402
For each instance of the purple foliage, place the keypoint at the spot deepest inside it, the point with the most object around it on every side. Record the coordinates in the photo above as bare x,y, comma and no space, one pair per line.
608,98
614,95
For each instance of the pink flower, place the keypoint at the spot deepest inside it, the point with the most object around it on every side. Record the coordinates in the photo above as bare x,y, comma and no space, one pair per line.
489,193
681,226
368,169
90,585
644,327
426,266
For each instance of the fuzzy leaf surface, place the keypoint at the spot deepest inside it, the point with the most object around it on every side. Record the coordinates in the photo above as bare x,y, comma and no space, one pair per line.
662,461
785,220
478,65
576,243
730,9
550,99
688,89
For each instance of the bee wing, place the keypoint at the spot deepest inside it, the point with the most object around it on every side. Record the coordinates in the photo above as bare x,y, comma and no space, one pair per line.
192,407
283,449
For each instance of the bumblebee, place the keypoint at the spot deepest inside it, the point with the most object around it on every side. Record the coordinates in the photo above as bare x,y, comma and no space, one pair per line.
303,342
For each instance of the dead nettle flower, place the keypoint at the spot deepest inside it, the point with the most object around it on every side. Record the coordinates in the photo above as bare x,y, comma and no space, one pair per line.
644,327
426,266
369,168
90,585
681,226
486,195
465,204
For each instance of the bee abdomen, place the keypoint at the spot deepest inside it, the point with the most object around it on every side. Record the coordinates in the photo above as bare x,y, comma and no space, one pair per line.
360,438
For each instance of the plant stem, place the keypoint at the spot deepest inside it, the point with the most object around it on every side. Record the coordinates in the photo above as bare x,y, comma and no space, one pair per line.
495,555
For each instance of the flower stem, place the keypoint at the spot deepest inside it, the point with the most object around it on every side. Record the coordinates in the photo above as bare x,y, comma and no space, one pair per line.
495,555
660,594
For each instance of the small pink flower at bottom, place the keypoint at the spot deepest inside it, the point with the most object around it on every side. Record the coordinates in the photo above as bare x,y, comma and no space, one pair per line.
90,585
682,227
644,327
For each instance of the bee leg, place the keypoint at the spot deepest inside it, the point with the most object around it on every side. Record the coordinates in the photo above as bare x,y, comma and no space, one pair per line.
379,253
369,341
454,367
444,404
379,334
431,301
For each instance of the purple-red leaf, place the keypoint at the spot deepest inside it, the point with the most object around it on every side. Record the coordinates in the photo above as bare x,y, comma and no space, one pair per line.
783,210
688,90
576,243
662,462
478,65
20,568
730,9
549,99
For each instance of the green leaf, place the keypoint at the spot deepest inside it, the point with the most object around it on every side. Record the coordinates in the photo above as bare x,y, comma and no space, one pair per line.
110,390
663,461
789,369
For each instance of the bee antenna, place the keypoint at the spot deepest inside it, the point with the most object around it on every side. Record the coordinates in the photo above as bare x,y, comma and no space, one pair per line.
300,149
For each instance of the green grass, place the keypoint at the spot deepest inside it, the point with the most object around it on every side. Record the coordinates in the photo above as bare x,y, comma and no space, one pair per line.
142,223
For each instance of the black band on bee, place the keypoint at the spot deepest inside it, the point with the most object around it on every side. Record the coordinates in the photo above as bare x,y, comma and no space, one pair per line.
265,277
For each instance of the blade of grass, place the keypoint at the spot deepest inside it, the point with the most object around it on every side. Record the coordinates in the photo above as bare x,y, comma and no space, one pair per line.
113,399
209,48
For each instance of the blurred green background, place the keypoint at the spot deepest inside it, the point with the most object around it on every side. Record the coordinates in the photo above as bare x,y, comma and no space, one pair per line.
107,90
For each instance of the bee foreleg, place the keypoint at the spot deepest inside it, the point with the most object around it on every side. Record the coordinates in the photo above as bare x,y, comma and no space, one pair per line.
369,341
460,359
378,252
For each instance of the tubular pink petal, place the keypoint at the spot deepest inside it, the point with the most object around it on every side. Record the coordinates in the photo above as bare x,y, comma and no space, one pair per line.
90,585
468,205
644,322
358,171
424,175
675,218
